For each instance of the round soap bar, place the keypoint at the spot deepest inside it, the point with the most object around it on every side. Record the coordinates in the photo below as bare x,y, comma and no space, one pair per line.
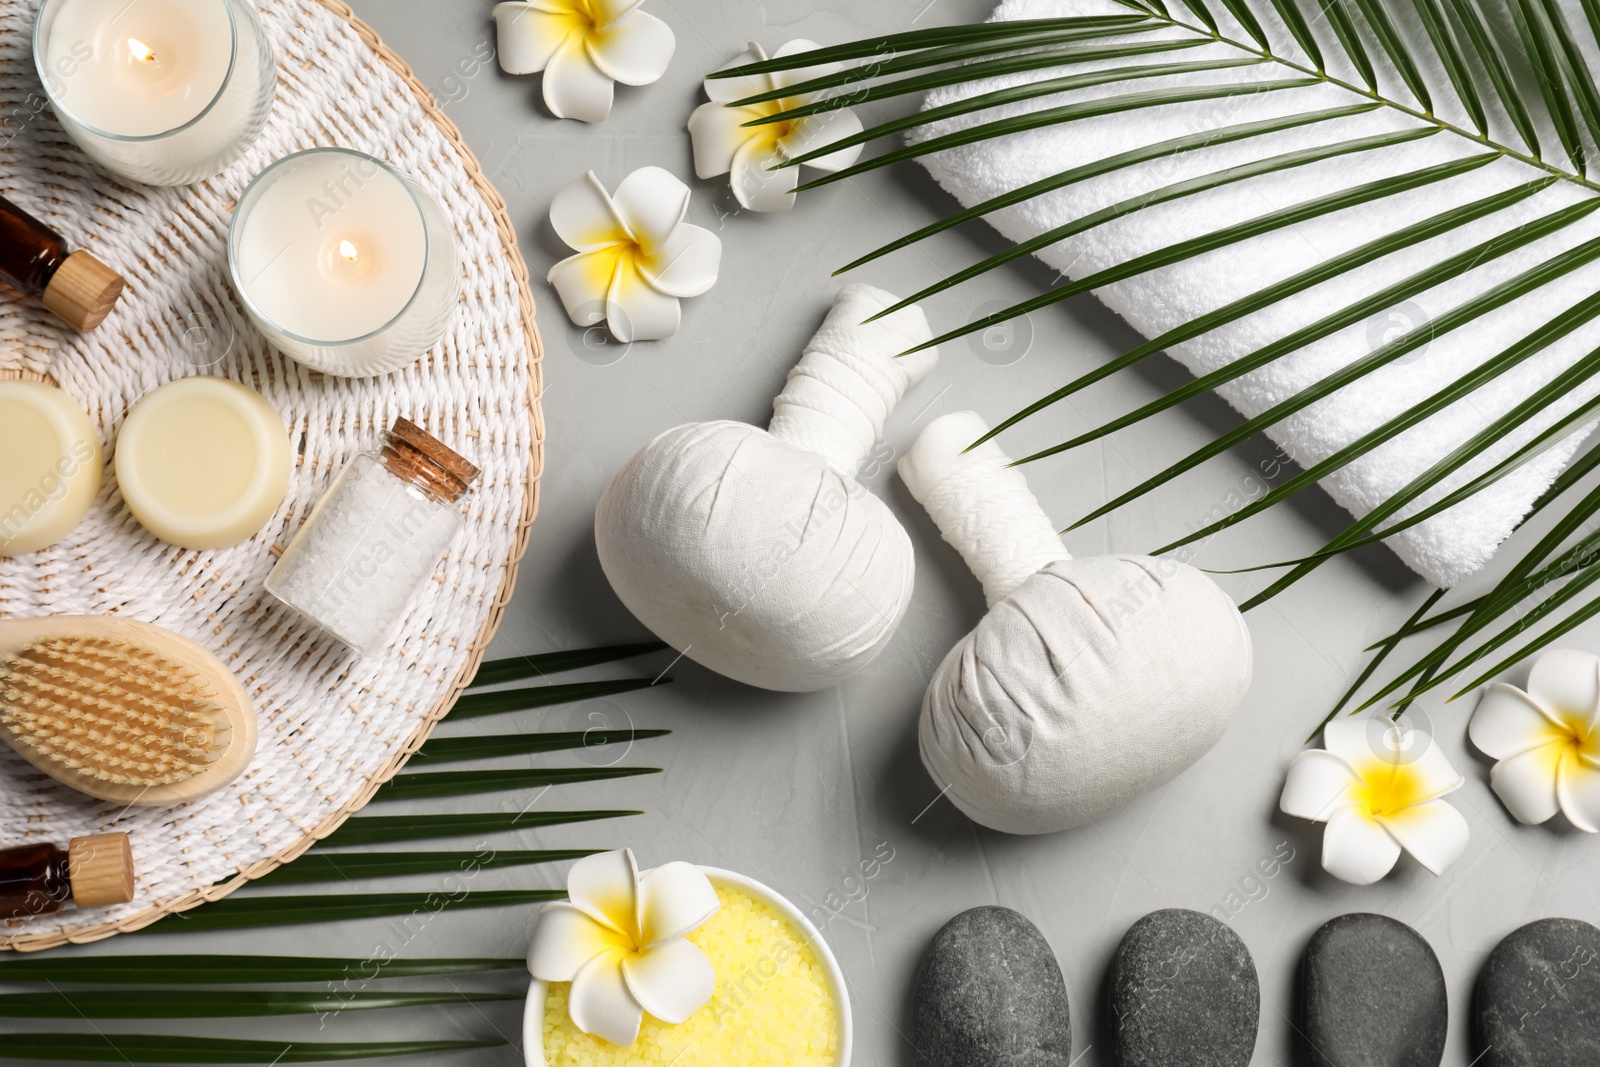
50,471
203,462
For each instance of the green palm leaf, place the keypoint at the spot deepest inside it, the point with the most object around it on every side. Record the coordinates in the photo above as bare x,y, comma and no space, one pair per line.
1195,246
1531,345
1493,61
950,53
212,1003
1448,46
241,910
155,1048
474,705
517,668
1203,183
1295,19
174,969
1330,268
449,749
1055,116
1395,47
1486,302
390,829
465,783
347,866
1350,40
994,68
1111,164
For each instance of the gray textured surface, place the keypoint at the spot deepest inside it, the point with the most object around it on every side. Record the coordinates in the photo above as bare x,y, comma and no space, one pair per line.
1183,993
799,791
1372,995
990,994
1539,997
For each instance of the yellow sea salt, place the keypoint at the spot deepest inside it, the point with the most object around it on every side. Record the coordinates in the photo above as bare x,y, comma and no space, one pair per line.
772,1006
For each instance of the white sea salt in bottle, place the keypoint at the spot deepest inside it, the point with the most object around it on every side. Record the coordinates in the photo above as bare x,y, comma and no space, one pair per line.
375,538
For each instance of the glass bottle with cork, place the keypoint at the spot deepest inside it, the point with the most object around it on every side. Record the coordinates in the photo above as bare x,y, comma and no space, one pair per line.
91,872
375,538
74,286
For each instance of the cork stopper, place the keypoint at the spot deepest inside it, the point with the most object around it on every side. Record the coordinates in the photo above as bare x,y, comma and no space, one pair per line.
413,454
100,868
82,291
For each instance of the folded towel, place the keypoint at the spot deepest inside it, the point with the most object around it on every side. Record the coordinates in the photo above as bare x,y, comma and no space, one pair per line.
1457,542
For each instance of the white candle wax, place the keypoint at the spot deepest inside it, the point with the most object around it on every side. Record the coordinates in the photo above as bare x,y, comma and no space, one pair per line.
142,67
333,248
342,262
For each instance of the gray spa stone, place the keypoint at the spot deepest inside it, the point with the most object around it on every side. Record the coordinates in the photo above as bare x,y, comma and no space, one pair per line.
990,994
1372,994
1537,1003
1184,993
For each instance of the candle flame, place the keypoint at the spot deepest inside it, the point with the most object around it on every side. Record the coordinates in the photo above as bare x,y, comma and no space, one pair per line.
347,249
141,52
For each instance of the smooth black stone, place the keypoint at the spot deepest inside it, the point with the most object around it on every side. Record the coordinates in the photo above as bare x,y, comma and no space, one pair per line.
1372,994
1538,998
990,994
1184,993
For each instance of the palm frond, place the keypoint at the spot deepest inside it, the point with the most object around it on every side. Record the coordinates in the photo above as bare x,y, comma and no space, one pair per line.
243,911
466,783
156,1048
517,668
232,969
453,749
347,866
214,1004
391,829
475,705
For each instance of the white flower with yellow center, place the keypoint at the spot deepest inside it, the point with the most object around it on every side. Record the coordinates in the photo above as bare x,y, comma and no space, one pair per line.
583,47
723,143
1377,784
636,256
1547,740
621,940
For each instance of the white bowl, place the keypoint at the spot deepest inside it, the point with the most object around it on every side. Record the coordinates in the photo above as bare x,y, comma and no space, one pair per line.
533,1012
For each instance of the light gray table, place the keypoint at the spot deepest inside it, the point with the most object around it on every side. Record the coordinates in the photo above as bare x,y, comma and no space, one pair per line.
798,790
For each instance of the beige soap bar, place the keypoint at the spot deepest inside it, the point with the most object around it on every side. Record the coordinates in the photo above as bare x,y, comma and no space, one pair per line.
203,462
49,466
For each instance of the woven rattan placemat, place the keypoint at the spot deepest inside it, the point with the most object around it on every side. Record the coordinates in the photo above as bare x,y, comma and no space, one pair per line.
333,726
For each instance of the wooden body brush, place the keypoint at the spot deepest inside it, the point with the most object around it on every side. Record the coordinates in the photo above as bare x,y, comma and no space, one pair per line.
121,710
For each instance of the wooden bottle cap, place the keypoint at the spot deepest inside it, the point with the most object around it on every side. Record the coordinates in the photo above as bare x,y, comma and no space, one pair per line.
417,455
100,868
83,291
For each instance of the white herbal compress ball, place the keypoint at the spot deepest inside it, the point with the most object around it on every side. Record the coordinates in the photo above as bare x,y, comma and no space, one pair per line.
1090,681
756,552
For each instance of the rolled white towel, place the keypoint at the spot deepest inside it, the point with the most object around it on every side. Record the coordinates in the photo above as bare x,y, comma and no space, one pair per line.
1448,547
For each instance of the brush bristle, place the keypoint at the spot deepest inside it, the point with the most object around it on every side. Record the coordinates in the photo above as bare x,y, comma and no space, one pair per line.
113,711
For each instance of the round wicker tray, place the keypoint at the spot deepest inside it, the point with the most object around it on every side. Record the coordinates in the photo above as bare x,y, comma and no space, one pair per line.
333,727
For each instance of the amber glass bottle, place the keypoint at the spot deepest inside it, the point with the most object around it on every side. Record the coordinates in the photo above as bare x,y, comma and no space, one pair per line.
73,286
91,872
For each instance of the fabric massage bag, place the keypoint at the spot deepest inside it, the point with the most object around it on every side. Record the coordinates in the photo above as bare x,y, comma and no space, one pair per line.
756,552
1090,681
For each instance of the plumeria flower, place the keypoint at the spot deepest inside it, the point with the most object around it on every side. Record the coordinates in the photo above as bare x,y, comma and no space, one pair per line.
1547,740
636,256
583,46
621,940
722,143
1377,785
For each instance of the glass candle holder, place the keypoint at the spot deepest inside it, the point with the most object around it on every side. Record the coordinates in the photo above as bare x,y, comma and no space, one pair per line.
343,262
163,92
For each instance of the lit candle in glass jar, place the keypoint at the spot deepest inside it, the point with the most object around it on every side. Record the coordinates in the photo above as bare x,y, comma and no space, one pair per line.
159,91
343,262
